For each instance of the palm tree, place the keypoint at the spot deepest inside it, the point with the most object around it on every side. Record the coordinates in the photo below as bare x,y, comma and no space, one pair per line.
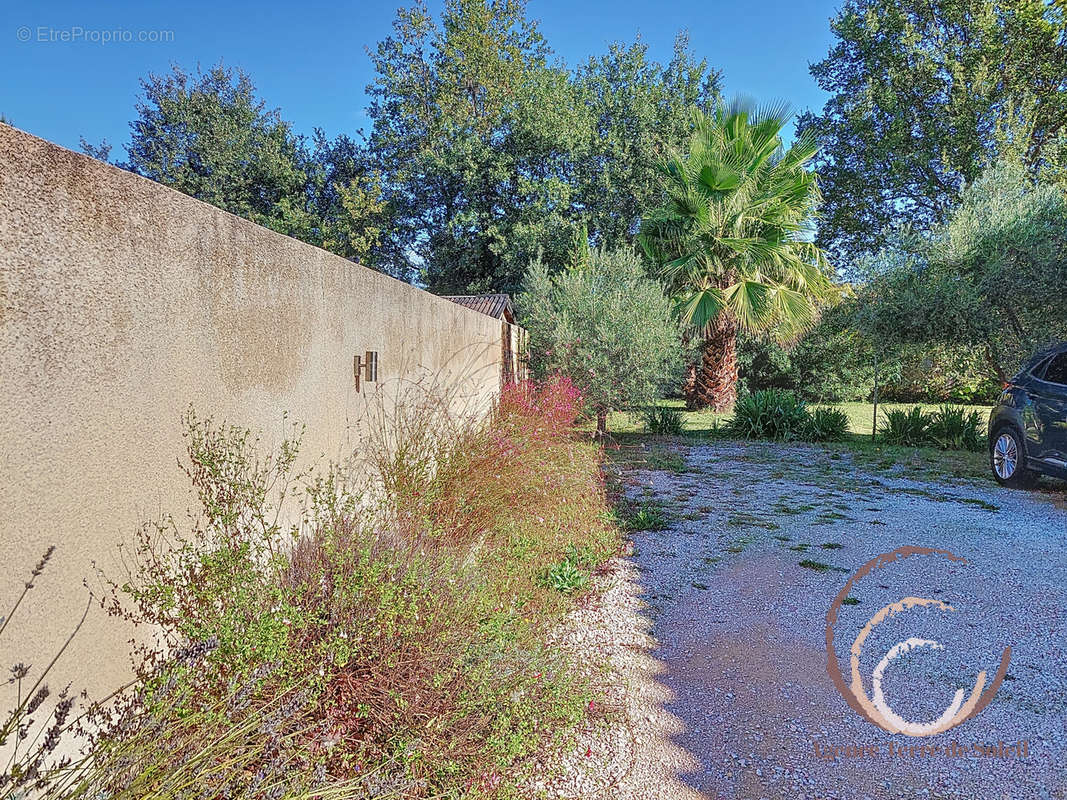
731,240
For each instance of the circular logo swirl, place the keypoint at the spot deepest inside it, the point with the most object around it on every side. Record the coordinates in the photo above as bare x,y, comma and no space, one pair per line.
876,708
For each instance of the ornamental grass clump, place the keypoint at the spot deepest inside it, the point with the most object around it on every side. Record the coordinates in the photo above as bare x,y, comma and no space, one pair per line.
769,414
906,427
826,425
782,416
662,421
374,629
955,428
948,428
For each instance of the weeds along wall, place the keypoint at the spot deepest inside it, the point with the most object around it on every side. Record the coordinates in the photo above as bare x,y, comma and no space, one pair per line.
122,302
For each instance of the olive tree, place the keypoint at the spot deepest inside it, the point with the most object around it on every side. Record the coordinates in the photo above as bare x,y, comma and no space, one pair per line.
606,325
991,278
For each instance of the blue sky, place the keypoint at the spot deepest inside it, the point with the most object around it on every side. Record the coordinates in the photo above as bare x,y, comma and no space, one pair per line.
310,60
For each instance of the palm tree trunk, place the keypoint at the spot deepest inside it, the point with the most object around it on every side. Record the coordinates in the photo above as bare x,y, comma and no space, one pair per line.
716,384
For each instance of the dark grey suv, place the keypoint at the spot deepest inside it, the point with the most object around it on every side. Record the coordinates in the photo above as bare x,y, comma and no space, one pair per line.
1028,426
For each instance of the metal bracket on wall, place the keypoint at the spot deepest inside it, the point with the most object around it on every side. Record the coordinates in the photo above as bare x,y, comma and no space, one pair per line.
368,365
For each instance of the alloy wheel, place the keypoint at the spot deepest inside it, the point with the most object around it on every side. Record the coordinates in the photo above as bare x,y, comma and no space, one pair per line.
1005,456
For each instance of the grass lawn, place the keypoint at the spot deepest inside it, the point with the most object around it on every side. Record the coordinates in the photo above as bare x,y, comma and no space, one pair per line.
699,423
636,448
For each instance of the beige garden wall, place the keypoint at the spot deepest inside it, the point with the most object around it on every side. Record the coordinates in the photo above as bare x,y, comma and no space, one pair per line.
122,302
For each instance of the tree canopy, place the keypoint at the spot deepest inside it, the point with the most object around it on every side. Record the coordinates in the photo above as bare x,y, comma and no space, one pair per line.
484,148
209,135
992,277
490,151
641,111
924,94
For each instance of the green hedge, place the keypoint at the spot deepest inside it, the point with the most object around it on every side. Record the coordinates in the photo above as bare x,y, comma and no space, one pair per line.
833,364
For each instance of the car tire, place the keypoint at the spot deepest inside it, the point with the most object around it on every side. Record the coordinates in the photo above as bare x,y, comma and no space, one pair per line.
1007,459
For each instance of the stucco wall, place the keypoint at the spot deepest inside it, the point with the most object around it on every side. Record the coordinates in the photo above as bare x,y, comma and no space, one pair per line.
122,302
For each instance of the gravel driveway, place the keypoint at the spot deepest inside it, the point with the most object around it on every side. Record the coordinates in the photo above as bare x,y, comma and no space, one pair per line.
758,540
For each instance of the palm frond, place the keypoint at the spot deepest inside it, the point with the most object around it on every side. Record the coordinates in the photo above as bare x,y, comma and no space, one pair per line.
750,303
732,233
719,177
792,311
757,249
700,308
675,271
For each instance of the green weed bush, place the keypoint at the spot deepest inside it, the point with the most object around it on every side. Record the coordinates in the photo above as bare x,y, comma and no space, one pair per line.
769,414
948,428
955,428
662,420
906,427
374,630
566,577
826,425
649,516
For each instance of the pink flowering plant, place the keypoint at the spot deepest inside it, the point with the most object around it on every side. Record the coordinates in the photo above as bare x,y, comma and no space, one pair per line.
386,640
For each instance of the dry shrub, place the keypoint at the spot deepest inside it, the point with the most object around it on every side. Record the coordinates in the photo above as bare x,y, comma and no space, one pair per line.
497,476
447,673
31,730
405,610
393,633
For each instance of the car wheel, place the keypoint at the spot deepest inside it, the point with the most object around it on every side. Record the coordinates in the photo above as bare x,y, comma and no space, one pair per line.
1007,457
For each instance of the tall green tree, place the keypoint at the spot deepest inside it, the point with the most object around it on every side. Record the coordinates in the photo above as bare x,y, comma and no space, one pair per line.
730,242
209,135
924,93
474,133
640,112
991,278
491,151
346,202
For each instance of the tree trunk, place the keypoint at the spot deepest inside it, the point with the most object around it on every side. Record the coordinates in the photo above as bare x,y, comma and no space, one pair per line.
874,396
689,388
716,384
689,382
601,423
994,365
